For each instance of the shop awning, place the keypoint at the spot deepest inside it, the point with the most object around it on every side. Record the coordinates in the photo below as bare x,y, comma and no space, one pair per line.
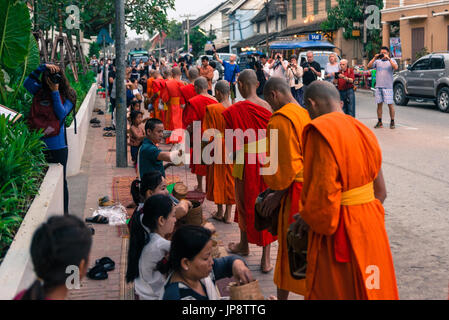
289,45
421,16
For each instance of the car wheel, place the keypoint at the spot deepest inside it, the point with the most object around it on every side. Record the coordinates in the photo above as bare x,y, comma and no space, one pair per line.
443,99
399,95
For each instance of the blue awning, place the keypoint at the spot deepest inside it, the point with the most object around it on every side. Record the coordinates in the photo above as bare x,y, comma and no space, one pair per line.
289,45
247,53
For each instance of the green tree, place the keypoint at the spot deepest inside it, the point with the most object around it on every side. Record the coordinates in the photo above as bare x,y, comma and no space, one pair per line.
174,30
198,39
94,49
348,12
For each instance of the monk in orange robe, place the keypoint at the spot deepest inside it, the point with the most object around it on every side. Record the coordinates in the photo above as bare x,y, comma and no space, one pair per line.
289,119
195,110
157,85
188,91
174,112
219,179
348,255
249,115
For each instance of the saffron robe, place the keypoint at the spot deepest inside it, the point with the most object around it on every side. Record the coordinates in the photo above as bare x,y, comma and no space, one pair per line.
174,113
246,115
219,179
157,86
349,255
195,110
289,121
187,92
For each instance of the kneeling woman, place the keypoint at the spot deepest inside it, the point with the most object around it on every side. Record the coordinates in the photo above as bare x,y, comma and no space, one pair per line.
193,271
148,246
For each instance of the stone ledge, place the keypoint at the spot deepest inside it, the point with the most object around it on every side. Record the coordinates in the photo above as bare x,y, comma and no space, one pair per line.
16,270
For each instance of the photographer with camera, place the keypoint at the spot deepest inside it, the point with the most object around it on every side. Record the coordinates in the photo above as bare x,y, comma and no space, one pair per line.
52,102
294,75
184,70
312,70
279,67
385,67
344,79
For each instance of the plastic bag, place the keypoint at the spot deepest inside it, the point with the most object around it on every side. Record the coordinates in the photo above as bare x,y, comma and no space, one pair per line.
116,214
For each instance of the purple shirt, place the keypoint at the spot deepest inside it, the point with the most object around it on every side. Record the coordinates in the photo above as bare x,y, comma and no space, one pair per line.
384,73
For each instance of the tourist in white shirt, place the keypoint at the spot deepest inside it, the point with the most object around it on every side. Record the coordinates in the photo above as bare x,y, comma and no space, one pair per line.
148,247
294,75
279,67
266,66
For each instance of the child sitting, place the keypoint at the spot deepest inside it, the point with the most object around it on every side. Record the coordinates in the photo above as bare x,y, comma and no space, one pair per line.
60,242
148,246
136,134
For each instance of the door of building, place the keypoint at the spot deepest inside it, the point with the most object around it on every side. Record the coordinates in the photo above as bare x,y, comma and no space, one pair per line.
417,41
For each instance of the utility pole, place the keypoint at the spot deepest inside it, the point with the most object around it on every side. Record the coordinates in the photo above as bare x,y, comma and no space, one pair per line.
187,16
267,22
120,101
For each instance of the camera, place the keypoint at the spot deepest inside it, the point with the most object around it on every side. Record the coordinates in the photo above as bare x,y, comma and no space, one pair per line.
381,56
55,78
337,74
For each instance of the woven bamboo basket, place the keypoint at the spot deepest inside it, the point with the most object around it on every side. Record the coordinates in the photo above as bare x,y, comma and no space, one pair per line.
180,191
249,291
195,215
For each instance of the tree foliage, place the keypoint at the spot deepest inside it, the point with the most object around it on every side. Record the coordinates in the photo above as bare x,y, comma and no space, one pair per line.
175,30
346,13
198,39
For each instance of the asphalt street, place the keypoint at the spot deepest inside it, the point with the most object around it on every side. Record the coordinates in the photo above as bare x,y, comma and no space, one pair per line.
416,171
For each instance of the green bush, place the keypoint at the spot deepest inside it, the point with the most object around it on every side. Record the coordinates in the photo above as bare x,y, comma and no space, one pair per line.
22,168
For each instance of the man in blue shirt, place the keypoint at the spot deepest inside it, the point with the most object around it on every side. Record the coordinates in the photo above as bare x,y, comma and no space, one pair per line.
150,157
231,73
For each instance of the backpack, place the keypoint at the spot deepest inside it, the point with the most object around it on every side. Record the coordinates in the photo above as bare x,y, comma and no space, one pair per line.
42,116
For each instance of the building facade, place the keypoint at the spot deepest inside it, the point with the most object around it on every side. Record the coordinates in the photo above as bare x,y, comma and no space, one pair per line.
421,25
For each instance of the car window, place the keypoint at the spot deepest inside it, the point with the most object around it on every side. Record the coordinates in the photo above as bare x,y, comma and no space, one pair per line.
437,63
420,65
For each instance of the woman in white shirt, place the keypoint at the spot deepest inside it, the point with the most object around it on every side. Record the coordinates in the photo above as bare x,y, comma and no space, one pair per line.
294,78
148,246
331,68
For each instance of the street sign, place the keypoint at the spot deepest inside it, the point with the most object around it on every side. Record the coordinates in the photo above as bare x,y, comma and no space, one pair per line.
315,37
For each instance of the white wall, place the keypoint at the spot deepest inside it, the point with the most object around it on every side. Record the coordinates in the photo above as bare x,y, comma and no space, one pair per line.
77,142
16,270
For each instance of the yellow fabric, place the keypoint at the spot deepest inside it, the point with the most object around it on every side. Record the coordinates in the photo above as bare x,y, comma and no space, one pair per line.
259,146
357,196
165,107
175,101
300,176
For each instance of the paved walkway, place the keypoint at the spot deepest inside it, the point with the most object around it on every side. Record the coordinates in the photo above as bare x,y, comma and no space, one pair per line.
95,181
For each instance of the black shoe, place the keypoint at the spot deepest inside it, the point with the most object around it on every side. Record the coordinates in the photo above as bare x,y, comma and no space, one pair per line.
95,120
98,272
392,125
107,263
100,112
379,125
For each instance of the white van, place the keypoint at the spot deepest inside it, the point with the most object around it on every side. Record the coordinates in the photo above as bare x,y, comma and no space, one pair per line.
322,57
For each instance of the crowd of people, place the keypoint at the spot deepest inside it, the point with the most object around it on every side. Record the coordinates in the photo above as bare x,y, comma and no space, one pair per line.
328,185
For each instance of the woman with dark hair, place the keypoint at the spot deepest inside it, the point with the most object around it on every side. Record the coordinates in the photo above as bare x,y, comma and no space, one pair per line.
193,271
57,244
136,133
53,90
148,246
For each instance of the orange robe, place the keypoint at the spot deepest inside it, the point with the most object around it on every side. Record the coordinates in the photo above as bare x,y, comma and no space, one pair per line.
289,121
195,110
348,255
188,92
157,86
174,113
249,183
219,179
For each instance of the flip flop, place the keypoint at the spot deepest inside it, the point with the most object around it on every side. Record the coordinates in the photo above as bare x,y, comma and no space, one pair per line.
98,272
216,217
98,219
233,251
109,134
107,263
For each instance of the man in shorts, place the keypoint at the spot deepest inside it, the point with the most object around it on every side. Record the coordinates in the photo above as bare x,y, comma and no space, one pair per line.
385,67
231,73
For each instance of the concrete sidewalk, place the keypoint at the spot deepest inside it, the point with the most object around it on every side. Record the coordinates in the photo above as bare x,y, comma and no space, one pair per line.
95,181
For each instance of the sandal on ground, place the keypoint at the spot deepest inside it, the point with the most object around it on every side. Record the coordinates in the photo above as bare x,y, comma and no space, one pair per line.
95,120
98,272
109,134
107,263
105,202
234,251
96,125
108,129
98,219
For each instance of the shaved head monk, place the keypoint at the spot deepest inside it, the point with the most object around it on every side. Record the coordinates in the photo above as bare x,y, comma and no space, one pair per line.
219,179
194,111
348,254
251,114
173,102
289,119
188,91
